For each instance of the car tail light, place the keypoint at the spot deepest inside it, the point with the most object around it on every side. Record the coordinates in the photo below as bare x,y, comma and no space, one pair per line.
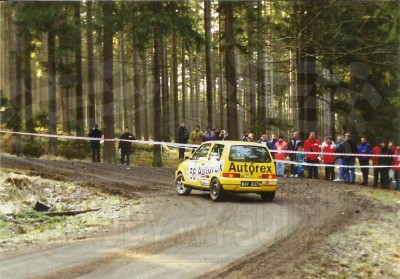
269,176
231,175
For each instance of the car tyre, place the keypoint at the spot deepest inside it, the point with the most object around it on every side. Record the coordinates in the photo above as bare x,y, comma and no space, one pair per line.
268,196
180,186
217,193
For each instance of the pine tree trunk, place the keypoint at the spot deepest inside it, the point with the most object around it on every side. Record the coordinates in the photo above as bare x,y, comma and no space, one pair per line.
139,109
27,72
231,81
16,99
184,94
175,85
52,93
90,65
157,159
166,136
209,68
108,86
78,74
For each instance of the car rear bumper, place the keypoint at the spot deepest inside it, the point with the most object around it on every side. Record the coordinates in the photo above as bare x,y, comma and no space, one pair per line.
267,185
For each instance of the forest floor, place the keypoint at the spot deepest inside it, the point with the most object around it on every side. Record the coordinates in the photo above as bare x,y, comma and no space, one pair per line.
324,229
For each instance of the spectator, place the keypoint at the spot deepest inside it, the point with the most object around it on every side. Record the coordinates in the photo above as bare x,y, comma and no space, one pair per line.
245,134
365,149
263,140
271,144
223,135
312,144
339,158
196,136
349,147
384,162
280,146
300,158
396,167
329,158
183,137
392,147
375,162
95,144
324,143
209,135
217,131
125,147
292,146
250,137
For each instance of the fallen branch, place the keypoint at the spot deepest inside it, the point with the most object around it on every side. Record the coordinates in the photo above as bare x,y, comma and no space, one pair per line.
70,213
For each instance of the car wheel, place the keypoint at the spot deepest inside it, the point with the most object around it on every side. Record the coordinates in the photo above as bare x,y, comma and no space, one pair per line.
268,197
217,193
180,186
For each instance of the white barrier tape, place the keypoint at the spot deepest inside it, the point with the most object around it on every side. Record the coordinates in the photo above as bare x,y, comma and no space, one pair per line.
179,145
328,165
335,154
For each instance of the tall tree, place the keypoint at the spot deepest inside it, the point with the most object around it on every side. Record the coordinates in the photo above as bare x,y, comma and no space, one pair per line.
108,81
209,68
157,159
78,71
231,81
90,65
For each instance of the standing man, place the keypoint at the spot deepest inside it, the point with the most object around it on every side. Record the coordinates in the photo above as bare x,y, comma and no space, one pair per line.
271,144
292,146
312,144
365,149
339,149
349,147
245,134
329,158
125,147
375,162
183,137
95,144
384,162
209,135
263,140
196,136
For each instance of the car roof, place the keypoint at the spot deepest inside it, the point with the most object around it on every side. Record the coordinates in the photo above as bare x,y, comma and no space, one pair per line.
233,142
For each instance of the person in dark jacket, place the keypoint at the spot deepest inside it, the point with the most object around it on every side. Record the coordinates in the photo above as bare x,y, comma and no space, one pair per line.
183,137
349,147
95,144
364,149
292,146
385,161
125,147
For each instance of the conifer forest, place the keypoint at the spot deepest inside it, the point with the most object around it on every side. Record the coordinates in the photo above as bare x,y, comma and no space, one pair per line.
260,66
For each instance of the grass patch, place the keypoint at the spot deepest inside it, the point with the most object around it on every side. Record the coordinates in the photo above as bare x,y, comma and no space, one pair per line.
21,224
369,248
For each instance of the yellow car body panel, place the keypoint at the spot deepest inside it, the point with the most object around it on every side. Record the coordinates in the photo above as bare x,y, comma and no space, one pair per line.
238,166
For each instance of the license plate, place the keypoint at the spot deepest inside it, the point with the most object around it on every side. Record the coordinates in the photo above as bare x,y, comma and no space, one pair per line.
250,184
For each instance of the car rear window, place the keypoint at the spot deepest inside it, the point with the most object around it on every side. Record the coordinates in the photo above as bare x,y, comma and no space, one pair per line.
249,153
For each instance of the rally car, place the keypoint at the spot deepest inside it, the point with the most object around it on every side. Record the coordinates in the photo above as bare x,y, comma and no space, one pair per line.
228,166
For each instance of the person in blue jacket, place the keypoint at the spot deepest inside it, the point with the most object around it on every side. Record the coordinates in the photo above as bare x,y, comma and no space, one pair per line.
364,149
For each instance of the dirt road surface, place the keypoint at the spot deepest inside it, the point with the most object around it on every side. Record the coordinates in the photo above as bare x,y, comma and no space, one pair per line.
182,237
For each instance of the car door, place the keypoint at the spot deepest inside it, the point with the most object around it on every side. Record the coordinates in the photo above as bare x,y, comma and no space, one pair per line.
197,164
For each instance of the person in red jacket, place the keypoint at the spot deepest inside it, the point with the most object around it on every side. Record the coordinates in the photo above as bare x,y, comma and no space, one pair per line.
329,159
312,144
375,162
280,154
396,167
